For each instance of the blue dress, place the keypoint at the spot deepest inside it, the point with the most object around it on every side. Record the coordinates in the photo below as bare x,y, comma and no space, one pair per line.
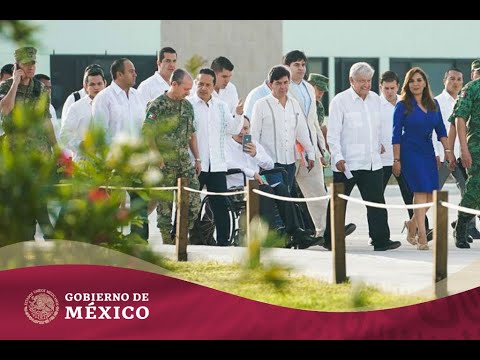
414,134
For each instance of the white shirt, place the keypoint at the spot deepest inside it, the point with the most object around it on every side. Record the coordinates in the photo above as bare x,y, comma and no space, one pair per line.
238,159
117,113
386,121
354,131
213,124
279,133
253,96
446,102
151,88
75,125
56,123
230,96
70,100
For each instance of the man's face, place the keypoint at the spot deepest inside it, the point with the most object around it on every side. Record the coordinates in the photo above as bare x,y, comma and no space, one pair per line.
298,69
361,84
245,130
223,78
28,69
94,85
129,75
280,87
453,82
475,74
168,65
389,90
205,86
48,85
181,91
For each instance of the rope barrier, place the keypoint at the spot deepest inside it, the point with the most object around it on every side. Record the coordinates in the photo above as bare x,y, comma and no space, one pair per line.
214,193
289,199
460,208
385,206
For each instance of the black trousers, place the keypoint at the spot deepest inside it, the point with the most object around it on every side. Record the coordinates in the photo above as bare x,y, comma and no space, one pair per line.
287,210
407,195
370,184
217,182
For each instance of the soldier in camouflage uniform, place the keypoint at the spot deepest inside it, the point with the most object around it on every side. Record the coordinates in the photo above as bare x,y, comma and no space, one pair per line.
168,128
320,84
23,90
466,118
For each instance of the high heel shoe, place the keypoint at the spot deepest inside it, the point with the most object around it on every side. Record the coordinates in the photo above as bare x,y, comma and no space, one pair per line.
411,239
422,247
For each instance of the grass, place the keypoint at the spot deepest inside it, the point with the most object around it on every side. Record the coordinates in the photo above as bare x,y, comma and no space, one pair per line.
279,286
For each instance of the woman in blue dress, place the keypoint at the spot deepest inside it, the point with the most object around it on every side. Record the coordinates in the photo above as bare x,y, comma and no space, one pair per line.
414,119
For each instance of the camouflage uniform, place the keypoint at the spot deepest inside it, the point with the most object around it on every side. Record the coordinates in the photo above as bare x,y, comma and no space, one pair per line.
468,108
169,124
320,113
35,137
32,137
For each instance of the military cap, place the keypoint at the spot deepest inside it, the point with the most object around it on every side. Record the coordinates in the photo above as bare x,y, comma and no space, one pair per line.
26,55
319,81
475,64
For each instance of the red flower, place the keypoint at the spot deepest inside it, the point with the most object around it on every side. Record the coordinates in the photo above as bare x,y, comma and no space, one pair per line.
65,162
97,194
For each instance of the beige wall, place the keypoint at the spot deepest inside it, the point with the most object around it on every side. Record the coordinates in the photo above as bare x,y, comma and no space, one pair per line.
253,46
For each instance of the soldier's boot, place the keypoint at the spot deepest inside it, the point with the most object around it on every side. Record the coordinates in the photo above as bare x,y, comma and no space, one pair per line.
460,234
472,230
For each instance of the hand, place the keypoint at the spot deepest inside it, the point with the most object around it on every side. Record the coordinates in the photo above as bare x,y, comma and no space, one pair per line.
311,164
251,149
439,164
259,179
340,165
18,74
466,158
198,167
452,163
323,161
239,108
382,149
397,168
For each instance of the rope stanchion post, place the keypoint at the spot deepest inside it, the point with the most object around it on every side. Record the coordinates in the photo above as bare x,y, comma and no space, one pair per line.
440,236
253,205
337,218
181,238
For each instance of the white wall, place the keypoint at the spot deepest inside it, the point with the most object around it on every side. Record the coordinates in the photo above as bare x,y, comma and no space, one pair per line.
122,37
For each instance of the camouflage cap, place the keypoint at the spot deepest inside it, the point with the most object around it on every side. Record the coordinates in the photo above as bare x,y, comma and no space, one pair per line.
475,64
319,81
26,55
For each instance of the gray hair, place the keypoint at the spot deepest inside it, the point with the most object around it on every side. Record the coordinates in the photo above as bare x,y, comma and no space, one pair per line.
361,68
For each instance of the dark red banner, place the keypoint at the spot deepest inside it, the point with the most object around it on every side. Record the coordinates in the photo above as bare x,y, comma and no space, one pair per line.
100,302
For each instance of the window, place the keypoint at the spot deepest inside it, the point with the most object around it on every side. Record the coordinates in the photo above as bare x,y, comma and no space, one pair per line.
342,70
67,72
435,69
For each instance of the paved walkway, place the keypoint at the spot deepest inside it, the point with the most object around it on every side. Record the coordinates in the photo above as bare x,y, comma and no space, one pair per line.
404,270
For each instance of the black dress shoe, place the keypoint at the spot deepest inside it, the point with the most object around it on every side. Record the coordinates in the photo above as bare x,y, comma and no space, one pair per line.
462,245
469,237
327,246
308,241
350,228
387,245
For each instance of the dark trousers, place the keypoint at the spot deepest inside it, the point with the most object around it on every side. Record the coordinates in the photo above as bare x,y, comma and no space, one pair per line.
407,195
287,210
370,184
290,168
217,182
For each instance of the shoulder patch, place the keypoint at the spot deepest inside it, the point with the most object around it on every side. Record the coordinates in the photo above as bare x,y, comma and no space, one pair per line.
151,116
